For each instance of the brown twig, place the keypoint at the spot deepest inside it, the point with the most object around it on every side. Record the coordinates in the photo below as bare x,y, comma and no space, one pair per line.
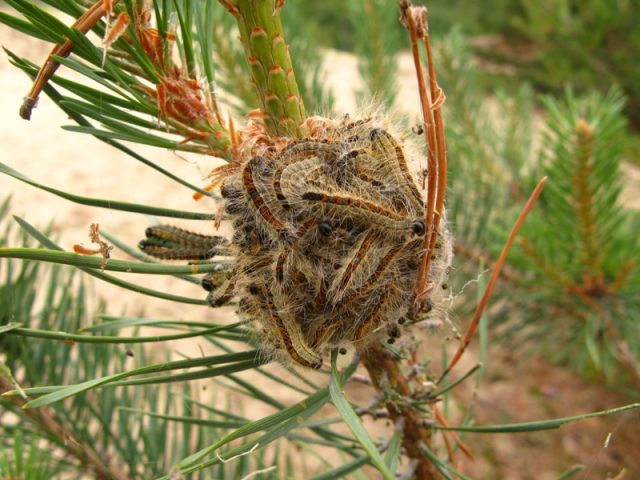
431,101
456,438
45,419
84,23
438,97
473,326
385,374
411,16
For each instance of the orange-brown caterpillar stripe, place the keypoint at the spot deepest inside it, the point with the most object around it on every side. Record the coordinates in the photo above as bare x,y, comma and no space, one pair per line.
373,319
295,152
277,186
257,265
382,135
355,261
282,258
320,302
256,198
315,363
381,268
372,211
183,237
369,179
324,331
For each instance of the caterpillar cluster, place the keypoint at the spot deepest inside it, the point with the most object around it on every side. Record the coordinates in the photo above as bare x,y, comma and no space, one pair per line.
328,239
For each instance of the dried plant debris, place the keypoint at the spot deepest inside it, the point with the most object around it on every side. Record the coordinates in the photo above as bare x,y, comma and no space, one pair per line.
328,239
104,249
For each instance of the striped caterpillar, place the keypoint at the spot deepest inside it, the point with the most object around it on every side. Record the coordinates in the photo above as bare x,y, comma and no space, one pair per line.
167,242
328,233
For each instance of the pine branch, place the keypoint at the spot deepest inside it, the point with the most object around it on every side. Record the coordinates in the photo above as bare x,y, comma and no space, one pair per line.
577,256
155,86
388,379
263,39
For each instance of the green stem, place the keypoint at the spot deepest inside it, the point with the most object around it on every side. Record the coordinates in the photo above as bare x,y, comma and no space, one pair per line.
271,68
99,262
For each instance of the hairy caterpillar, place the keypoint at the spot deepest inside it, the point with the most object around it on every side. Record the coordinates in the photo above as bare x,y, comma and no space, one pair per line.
328,233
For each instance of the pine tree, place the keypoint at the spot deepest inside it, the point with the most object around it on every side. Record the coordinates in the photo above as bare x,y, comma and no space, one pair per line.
154,82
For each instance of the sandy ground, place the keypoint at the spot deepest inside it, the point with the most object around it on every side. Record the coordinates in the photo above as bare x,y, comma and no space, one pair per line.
514,392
